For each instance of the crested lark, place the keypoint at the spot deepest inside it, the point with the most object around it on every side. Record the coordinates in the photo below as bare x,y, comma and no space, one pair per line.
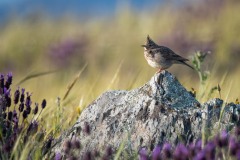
161,57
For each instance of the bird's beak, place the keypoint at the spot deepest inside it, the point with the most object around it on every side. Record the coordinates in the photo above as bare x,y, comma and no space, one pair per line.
143,45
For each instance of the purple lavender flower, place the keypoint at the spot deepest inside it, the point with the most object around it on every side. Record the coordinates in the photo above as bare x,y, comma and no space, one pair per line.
237,131
210,150
109,151
76,144
44,103
28,109
28,101
192,150
96,153
10,115
16,96
22,97
167,150
32,128
86,128
67,146
15,127
62,52
4,115
21,107
10,120
25,114
238,154
156,153
200,155
15,114
35,111
1,83
180,153
222,139
143,154
233,146
7,97
198,145
47,145
9,80
58,156
87,155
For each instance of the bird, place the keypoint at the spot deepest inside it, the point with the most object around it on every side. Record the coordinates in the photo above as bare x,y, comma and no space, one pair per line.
161,57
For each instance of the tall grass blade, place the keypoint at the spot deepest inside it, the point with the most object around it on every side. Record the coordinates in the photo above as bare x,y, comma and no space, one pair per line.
115,75
70,86
35,75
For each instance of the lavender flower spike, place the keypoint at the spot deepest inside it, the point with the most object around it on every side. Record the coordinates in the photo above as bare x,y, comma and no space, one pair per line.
9,80
156,153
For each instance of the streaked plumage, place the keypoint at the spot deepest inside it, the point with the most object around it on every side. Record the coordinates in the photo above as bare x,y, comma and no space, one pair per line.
161,57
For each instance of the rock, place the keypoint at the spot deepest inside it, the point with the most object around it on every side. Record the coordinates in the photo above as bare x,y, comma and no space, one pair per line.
161,110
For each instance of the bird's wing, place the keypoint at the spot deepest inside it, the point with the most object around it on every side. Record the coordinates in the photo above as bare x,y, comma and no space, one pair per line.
167,53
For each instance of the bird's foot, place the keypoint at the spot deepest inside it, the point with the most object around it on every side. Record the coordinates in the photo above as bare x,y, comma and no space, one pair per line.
160,70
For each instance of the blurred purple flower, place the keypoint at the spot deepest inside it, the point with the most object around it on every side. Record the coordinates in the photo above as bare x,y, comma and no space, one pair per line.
143,155
109,151
156,153
222,139
167,149
180,153
200,155
198,145
61,53
210,150
96,153
233,146
87,128
237,131
32,128
58,156
88,156
76,144
67,146
192,150
185,45
238,154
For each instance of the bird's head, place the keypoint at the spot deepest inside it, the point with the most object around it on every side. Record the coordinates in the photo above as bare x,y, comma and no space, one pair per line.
150,44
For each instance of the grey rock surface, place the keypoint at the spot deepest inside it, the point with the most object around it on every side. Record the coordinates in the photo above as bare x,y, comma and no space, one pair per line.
160,111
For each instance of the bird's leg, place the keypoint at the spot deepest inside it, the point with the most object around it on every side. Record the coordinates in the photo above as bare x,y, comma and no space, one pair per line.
160,79
160,69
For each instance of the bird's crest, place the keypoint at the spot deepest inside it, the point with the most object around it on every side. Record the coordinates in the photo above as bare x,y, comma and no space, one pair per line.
150,43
